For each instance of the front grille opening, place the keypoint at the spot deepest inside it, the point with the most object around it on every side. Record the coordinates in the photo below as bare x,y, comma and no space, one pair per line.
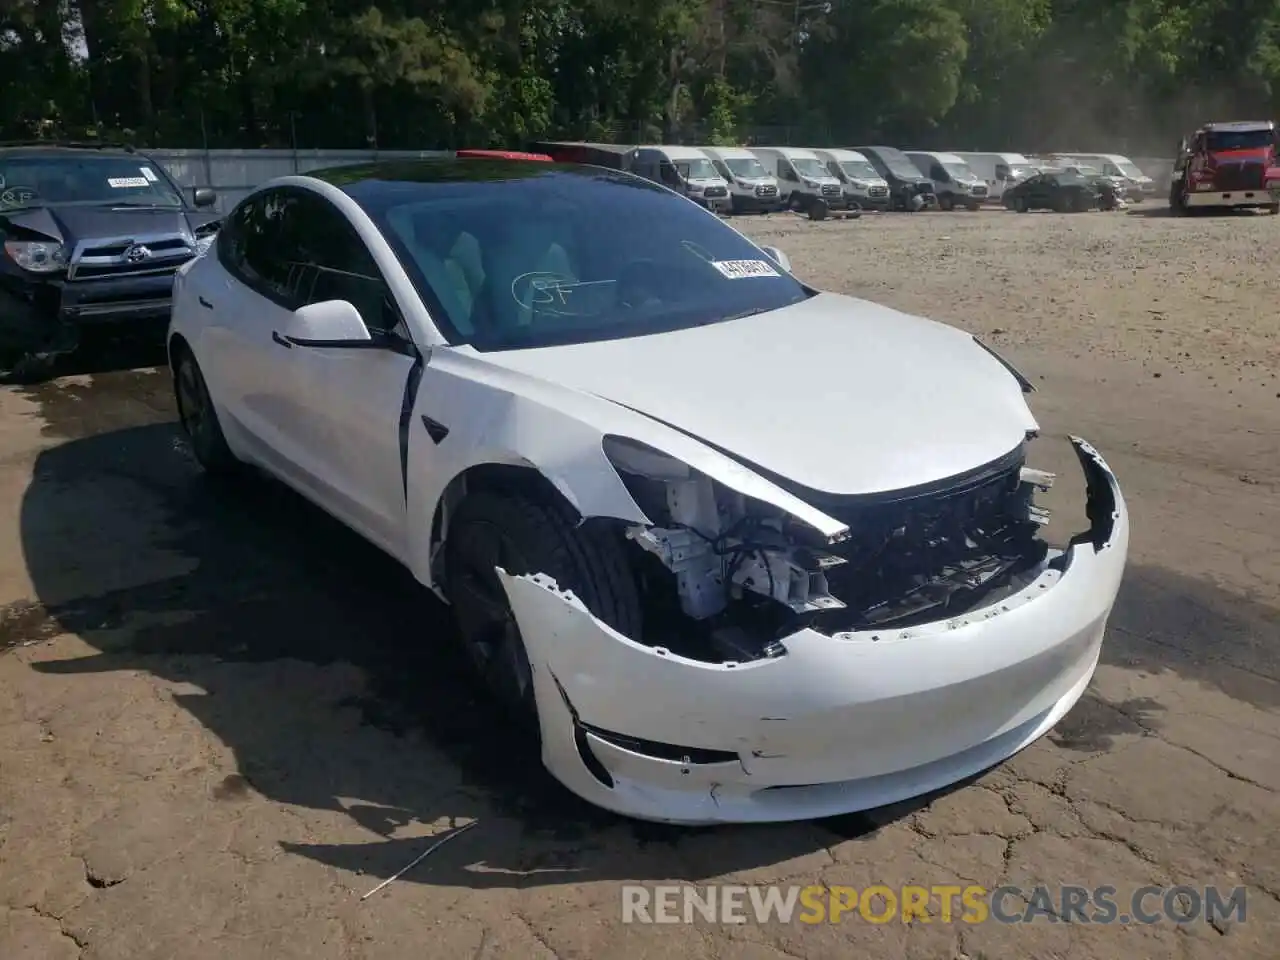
933,556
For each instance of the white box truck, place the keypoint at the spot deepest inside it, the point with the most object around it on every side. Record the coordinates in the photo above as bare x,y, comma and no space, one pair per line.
863,185
686,170
999,170
751,186
955,184
805,183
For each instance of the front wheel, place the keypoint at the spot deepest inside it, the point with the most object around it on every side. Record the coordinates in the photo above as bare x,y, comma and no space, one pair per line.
945,202
1020,205
523,535
1273,208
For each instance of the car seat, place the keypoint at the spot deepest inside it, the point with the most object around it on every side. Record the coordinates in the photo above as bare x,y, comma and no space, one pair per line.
528,247
444,275
466,253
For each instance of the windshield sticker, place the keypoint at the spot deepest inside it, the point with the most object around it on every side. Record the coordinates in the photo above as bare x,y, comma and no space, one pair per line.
149,174
3,184
741,269
121,183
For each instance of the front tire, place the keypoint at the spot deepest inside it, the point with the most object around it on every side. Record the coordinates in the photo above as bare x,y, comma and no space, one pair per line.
525,535
199,419
945,202
1020,205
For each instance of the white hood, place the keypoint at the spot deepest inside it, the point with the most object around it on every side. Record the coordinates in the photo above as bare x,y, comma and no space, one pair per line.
836,394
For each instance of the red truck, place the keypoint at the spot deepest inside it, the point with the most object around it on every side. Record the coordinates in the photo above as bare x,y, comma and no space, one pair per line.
1227,165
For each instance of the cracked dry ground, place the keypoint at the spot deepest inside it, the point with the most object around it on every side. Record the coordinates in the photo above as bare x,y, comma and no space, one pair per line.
223,719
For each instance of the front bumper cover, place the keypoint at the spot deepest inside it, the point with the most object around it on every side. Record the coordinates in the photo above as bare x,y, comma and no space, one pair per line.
836,724
43,313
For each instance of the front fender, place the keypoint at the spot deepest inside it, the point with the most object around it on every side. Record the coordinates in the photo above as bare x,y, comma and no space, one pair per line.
482,414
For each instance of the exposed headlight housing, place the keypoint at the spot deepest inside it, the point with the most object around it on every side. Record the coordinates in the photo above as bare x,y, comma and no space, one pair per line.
37,256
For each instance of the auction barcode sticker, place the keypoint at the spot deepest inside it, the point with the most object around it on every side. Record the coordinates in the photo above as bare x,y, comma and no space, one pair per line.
121,182
740,269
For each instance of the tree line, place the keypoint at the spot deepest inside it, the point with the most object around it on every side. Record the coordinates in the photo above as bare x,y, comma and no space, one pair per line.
442,74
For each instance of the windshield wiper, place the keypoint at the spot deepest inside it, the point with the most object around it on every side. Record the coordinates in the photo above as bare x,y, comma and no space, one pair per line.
121,204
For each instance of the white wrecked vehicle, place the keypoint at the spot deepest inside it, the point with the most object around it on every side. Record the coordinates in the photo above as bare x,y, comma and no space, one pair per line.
748,550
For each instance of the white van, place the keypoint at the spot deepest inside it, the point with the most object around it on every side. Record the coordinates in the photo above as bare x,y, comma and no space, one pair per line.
686,170
1140,186
954,181
862,183
751,186
999,170
801,177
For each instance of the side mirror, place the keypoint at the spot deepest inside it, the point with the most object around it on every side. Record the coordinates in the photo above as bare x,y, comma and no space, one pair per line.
205,197
335,324
778,257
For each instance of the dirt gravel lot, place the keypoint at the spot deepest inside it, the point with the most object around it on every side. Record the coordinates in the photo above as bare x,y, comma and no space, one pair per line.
223,719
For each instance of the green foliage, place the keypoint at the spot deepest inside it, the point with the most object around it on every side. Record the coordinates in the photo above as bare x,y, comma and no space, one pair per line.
991,74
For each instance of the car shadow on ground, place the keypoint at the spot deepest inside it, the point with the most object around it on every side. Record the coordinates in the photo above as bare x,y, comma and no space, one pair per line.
257,598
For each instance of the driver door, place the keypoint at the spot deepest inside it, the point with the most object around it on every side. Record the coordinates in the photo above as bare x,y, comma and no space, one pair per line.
362,394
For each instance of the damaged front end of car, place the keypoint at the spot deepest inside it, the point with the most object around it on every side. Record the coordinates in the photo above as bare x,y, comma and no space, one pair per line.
787,672
743,574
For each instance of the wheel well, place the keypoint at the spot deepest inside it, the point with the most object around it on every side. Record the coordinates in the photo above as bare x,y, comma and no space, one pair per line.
523,479
178,347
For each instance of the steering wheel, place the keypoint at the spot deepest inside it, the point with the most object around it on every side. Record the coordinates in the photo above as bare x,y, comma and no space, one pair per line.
640,282
11,196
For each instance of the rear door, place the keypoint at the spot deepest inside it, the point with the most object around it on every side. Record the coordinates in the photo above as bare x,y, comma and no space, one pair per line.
251,372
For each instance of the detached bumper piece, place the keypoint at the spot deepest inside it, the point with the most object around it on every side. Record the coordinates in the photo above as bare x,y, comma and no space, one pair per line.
829,722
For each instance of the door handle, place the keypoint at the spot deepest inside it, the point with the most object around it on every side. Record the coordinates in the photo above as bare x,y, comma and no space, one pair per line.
275,335
205,303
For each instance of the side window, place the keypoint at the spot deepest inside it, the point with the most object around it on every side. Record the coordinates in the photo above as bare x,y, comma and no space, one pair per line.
327,260
722,170
937,173
248,238
1002,172
833,168
785,170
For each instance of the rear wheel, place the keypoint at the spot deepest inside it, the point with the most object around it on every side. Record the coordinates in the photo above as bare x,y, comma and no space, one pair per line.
526,535
199,418
1273,208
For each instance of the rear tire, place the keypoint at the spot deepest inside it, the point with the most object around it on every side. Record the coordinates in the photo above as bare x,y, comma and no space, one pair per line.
199,419
1273,208
525,535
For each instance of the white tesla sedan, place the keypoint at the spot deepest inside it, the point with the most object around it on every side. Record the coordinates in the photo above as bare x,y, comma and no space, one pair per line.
741,549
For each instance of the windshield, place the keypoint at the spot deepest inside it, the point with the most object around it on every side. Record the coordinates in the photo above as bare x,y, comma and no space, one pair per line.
859,170
697,169
1239,139
1130,170
1087,171
810,167
79,179
959,171
1021,173
747,168
538,260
